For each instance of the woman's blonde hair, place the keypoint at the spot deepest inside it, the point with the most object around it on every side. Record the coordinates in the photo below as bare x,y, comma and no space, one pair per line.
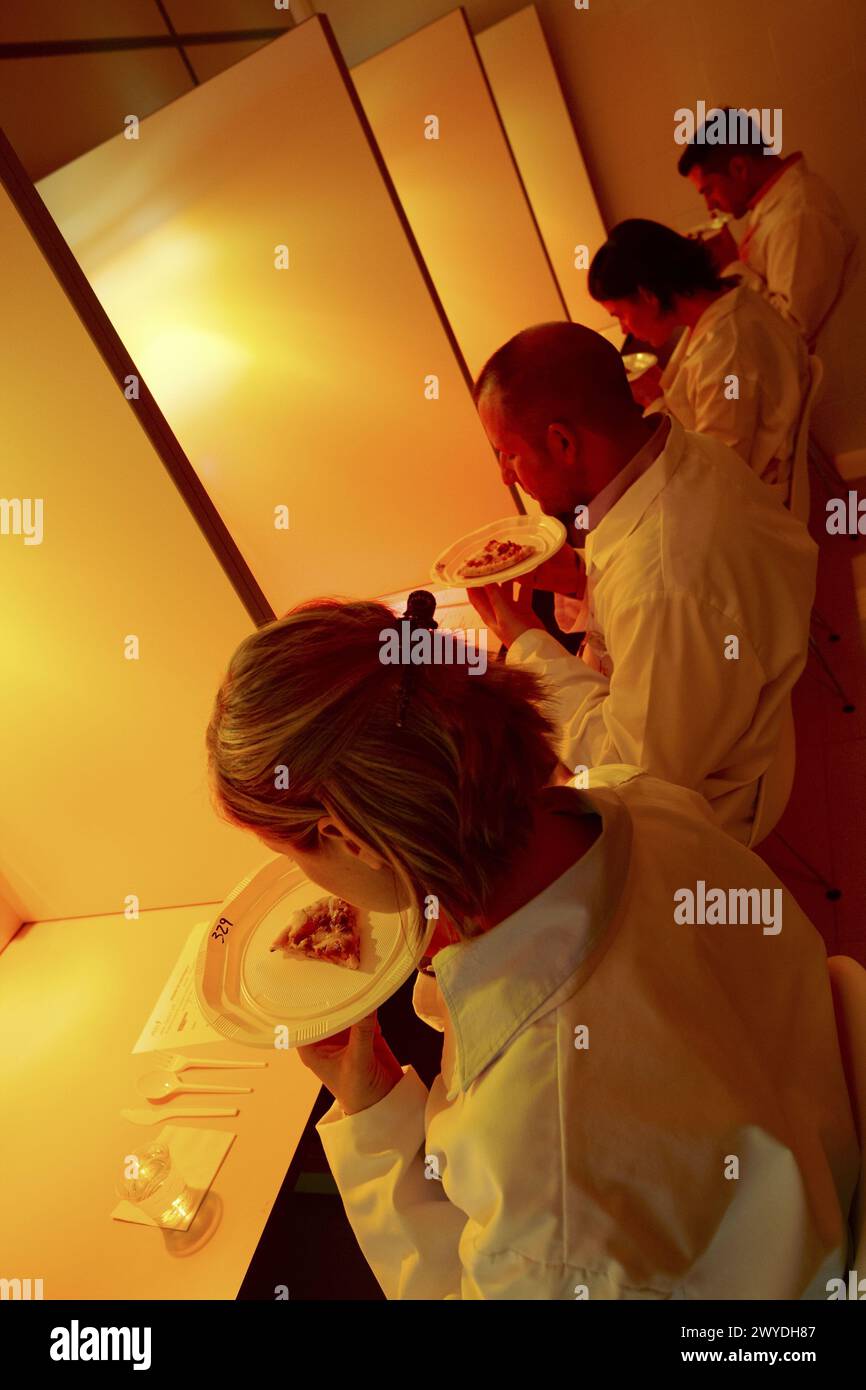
445,799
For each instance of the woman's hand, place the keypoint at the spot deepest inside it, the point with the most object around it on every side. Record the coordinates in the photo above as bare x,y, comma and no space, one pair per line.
507,617
357,1065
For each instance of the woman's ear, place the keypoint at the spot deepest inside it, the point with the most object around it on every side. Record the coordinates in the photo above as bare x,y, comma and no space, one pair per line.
334,832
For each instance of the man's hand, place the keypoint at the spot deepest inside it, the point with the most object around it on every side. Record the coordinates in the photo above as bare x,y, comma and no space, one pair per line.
647,387
722,248
563,573
357,1065
506,616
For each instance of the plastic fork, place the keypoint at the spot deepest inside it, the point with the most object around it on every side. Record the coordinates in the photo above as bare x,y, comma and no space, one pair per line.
173,1061
161,1086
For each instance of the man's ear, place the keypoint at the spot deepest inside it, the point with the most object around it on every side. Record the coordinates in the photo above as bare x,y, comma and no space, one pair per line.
741,170
561,442
331,828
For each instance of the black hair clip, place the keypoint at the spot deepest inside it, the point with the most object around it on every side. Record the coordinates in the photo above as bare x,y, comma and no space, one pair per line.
420,607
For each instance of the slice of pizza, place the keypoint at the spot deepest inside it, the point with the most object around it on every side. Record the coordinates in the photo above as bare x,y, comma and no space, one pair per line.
495,557
325,930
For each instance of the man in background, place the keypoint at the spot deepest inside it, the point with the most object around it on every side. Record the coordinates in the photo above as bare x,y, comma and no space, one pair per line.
799,248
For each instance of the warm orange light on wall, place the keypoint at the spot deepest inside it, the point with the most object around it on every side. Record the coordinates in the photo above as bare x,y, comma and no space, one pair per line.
301,385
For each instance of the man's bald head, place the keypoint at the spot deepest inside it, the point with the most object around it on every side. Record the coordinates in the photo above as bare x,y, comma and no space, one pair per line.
558,373
556,406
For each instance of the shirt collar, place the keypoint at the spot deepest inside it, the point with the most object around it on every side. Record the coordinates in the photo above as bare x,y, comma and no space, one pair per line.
792,159
493,984
626,514
642,460
710,318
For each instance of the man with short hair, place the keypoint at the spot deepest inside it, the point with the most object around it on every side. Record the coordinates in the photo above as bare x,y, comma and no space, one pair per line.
696,585
799,248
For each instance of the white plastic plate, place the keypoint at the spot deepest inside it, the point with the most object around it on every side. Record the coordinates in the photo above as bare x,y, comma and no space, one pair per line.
246,991
636,363
544,532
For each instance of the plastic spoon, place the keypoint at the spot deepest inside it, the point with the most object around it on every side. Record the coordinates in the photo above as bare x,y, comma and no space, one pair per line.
159,1086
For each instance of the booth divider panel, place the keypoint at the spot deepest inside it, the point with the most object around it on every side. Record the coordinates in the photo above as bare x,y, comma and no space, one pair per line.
461,191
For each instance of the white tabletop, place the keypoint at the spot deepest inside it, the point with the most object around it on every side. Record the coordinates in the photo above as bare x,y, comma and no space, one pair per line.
74,997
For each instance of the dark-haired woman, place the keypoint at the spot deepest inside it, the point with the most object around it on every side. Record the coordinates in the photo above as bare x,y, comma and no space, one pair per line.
739,372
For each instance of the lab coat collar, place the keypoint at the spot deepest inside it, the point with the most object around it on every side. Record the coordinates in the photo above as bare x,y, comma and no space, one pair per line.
627,513
777,187
712,317
603,501
494,984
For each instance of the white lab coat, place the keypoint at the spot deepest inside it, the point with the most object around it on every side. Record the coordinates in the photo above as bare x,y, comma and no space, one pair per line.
539,1169
799,249
741,375
695,562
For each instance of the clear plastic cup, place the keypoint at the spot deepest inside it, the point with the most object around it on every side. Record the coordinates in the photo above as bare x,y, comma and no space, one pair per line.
159,1188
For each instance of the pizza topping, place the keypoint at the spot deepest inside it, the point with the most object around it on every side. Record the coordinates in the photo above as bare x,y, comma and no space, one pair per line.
496,555
326,930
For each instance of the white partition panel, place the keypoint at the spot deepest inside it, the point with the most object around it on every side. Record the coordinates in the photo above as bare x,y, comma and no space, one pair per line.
10,921
248,250
433,117
118,624
536,119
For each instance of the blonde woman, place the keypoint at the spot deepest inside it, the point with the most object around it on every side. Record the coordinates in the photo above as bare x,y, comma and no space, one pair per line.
607,1063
